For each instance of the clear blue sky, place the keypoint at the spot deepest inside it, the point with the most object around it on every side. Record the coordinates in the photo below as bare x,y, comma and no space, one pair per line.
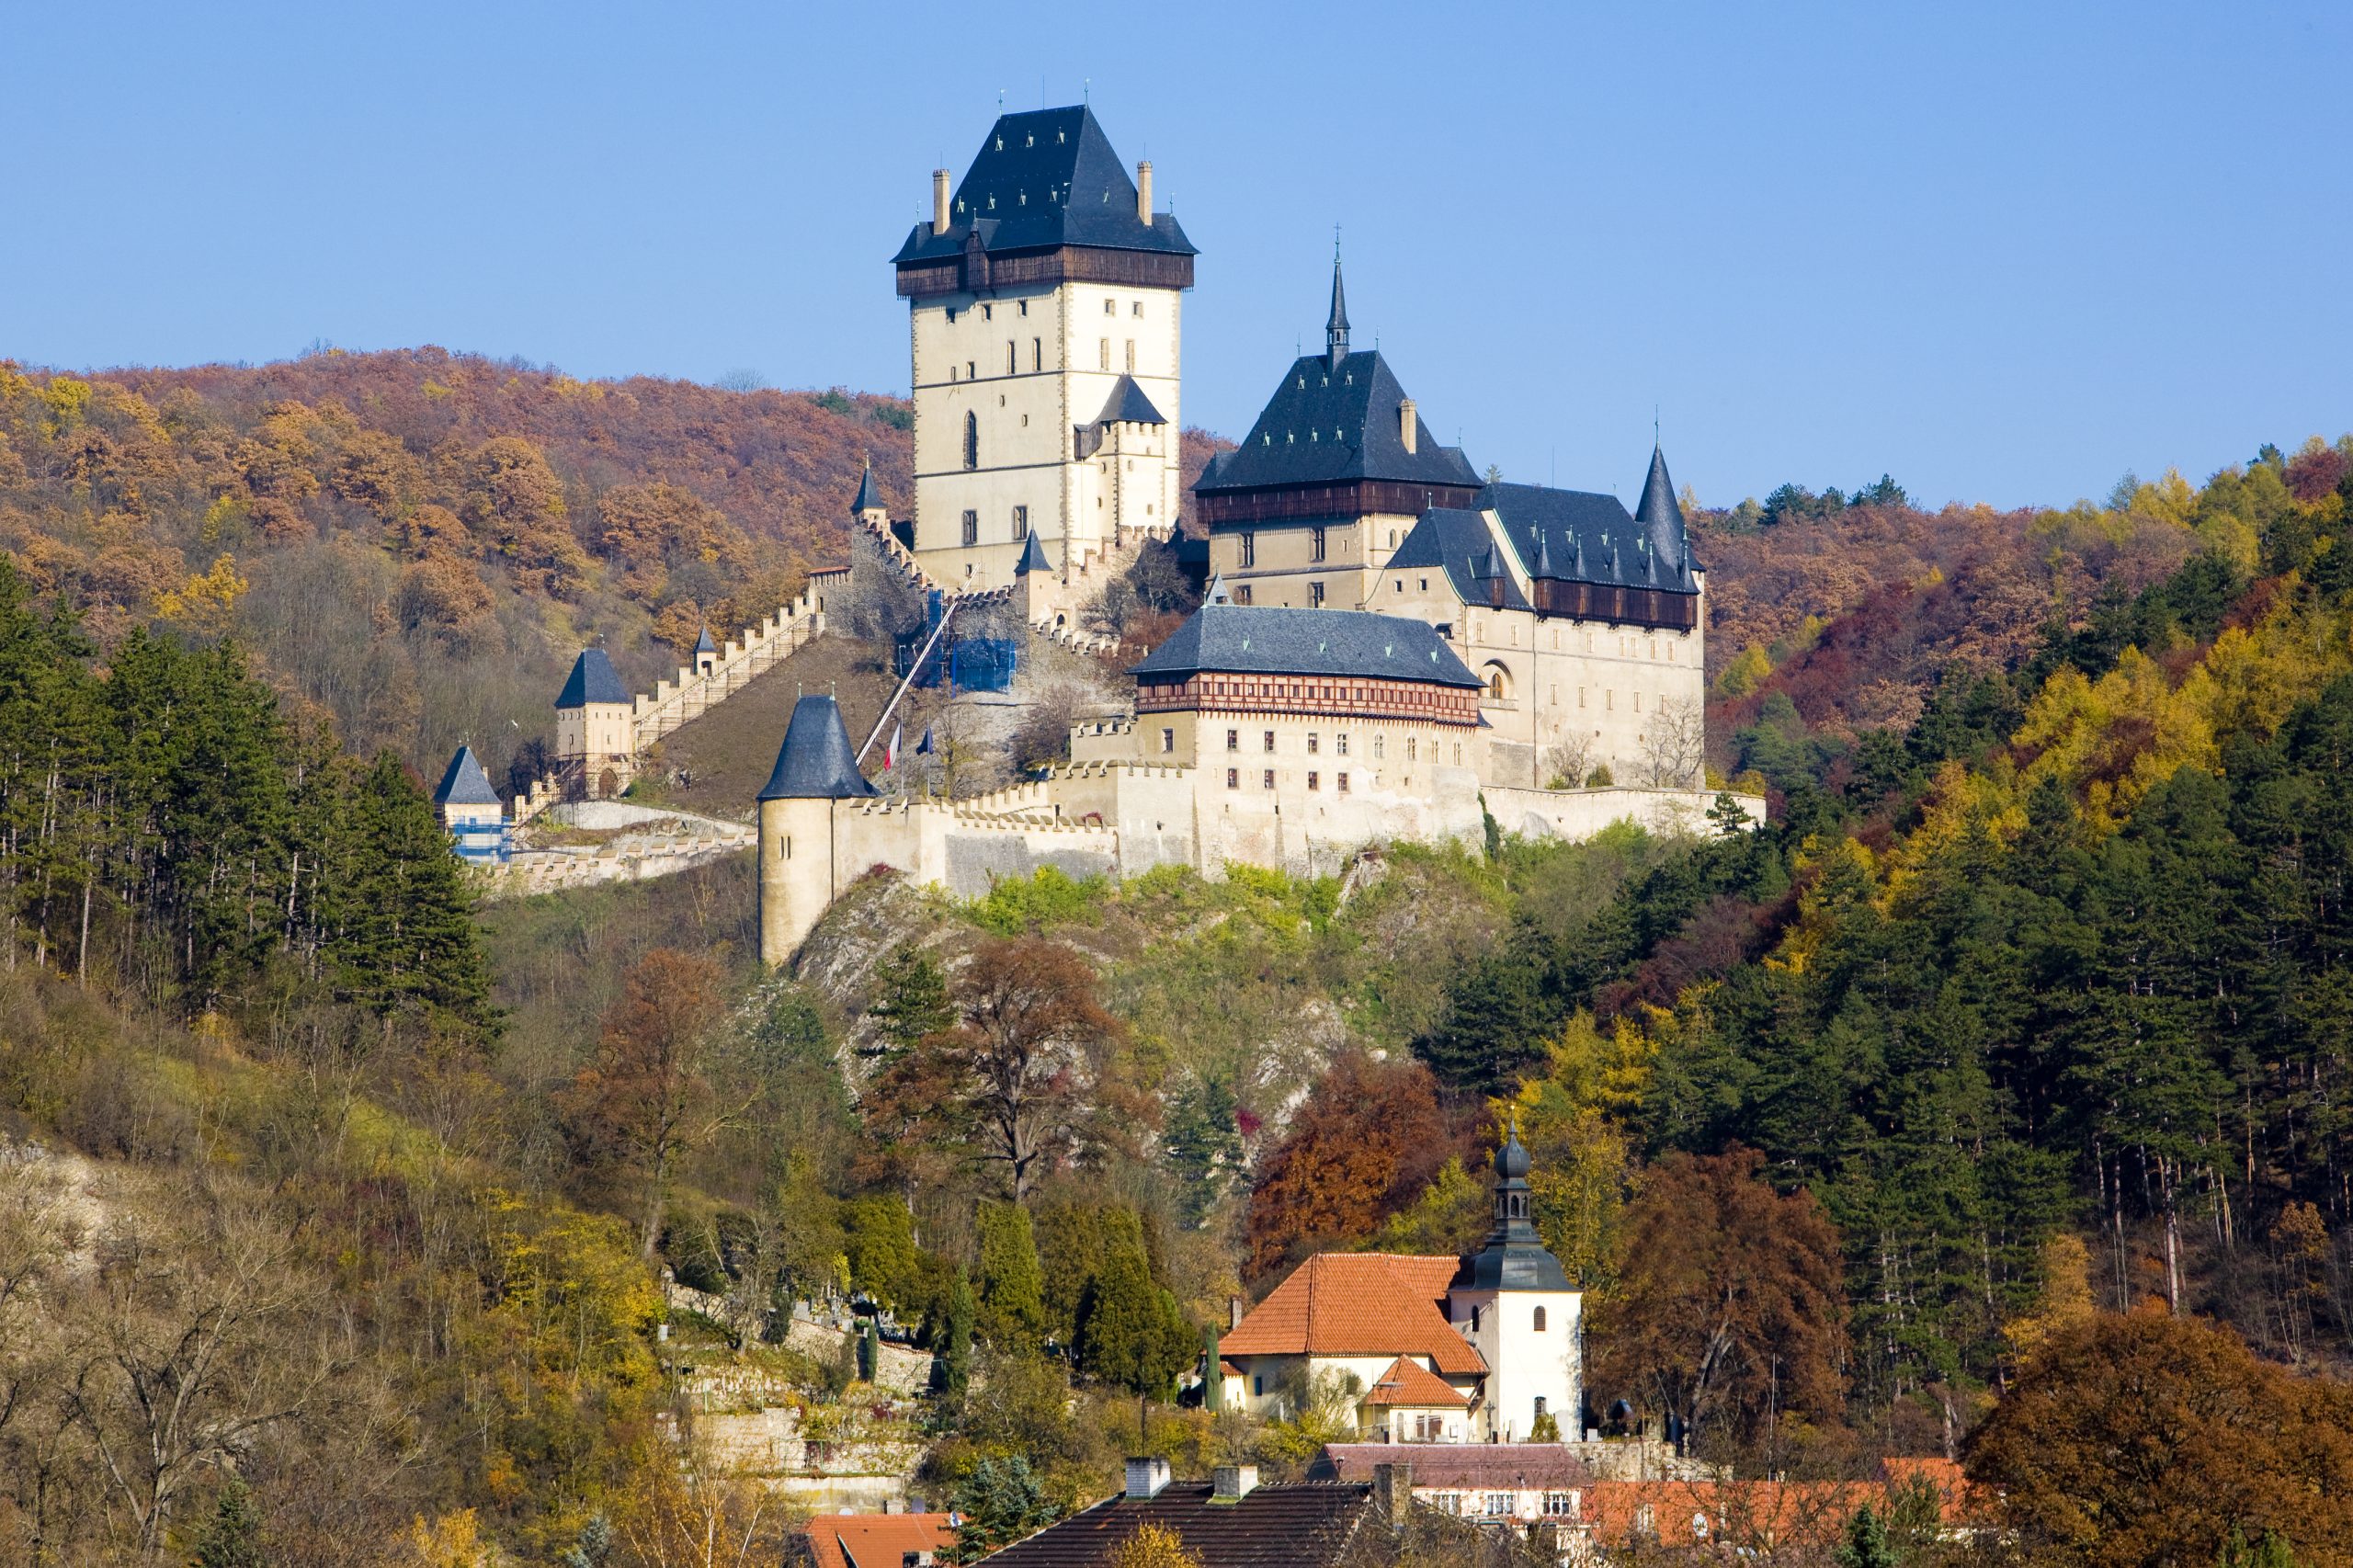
2003,252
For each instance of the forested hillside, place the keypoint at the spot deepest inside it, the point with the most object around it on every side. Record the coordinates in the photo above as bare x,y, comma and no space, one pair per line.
1924,1120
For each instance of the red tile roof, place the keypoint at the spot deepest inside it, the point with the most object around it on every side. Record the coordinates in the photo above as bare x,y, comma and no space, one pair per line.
876,1541
1408,1383
1366,1304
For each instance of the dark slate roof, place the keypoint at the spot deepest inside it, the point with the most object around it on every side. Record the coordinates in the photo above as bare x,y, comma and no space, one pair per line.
1582,532
1660,516
1033,557
868,498
464,783
1275,640
703,644
1302,1526
1472,1466
1327,423
816,761
1458,542
1129,405
1515,1257
1041,180
592,680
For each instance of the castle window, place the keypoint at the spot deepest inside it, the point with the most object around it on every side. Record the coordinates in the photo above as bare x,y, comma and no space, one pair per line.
1136,308
1249,549
1269,780
1233,781
1024,309
1380,747
1315,595
1233,739
1242,594
1110,307
1102,353
1413,749
1474,1320
971,442
1340,782
1340,744
972,371
1270,739
1037,353
1131,354
1426,585
1540,1328
1169,740
1012,358
1311,779
1020,523
988,312
1316,544
951,371
1310,743
952,316
972,528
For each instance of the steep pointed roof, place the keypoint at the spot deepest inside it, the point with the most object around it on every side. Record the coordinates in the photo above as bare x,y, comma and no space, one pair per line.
1542,565
1045,178
1660,515
1329,422
1129,405
703,644
1033,559
464,783
1409,1383
593,679
816,761
867,499
1336,327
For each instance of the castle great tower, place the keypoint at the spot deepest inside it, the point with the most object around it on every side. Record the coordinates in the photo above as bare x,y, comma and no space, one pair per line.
1046,336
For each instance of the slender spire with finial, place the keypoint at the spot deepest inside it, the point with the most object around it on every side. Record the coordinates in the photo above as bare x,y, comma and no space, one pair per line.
1336,330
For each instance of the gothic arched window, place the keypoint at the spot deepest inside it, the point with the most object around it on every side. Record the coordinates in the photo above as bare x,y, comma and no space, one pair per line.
1540,1321
971,440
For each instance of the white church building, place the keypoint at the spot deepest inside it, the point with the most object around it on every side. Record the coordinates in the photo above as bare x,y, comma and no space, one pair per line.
1475,1349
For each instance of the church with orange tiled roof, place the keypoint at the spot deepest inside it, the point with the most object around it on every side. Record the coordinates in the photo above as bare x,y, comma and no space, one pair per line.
1473,1349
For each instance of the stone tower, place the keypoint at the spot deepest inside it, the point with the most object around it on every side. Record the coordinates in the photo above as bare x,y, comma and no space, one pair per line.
1046,339
815,768
596,751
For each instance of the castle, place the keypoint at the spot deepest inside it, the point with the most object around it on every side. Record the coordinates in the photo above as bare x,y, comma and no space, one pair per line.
1390,647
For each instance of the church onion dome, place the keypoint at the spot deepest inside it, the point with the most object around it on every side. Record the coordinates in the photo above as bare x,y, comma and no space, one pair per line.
593,679
816,761
868,498
1515,1257
1033,559
1659,516
464,783
1129,405
1041,180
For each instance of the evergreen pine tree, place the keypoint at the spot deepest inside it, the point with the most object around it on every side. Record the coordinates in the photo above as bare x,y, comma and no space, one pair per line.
1000,1502
232,1538
1130,1332
910,1002
1866,1544
1012,1312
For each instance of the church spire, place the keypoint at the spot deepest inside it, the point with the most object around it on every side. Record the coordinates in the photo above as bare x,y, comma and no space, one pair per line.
1336,330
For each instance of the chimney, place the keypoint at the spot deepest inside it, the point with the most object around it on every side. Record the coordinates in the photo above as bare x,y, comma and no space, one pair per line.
1146,1476
1408,427
1143,193
939,201
1233,1483
916,1559
1233,1313
1393,1491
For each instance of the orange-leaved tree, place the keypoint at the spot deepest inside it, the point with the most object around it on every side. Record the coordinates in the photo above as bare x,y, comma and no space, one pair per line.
1369,1138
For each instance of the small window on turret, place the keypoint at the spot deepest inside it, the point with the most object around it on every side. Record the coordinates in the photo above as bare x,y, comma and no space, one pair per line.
1540,1328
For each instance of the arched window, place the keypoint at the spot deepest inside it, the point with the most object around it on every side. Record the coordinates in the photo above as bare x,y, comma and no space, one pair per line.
1540,1328
971,439
1498,683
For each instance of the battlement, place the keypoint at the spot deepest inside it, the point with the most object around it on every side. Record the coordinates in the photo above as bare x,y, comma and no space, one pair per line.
753,652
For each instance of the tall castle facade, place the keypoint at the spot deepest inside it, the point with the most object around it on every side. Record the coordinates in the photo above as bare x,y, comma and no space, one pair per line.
1392,647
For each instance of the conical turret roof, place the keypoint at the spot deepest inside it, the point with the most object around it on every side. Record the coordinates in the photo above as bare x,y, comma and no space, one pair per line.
868,498
816,761
1335,327
1660,516
1033,559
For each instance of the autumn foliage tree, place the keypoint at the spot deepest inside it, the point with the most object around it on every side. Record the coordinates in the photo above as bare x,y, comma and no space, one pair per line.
1368,1140
648,1097
2156,1440
1729,1305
